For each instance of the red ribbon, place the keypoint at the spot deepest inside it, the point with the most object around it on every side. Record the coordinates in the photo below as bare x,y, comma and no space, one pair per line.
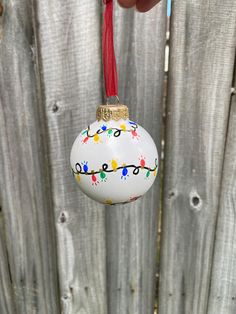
108,52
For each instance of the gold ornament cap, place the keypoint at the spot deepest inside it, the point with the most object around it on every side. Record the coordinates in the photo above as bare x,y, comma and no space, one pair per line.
112,112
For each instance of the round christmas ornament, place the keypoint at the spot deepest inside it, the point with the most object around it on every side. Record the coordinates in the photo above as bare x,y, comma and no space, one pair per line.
114,160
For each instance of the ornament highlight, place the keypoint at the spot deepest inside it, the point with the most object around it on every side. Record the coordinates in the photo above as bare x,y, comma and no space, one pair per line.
114,160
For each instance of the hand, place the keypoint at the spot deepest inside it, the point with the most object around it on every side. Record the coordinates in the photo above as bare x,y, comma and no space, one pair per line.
141,5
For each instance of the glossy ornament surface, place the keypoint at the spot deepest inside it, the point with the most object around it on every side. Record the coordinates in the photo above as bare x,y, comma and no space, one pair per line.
114,160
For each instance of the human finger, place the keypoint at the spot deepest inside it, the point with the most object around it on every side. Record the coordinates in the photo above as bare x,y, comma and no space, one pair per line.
146,5
127,3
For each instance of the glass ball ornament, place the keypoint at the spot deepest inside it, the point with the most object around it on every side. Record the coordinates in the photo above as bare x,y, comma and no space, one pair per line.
114,160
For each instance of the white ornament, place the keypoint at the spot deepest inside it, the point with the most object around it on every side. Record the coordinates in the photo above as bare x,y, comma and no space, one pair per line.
114,161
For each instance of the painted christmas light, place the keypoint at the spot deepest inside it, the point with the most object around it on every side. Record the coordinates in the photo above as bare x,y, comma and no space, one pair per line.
114,160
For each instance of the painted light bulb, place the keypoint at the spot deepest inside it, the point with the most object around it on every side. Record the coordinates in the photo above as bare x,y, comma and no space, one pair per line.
114,160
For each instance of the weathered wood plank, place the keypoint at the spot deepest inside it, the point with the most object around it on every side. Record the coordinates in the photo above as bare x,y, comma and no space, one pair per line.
7,302
201,65
25,201
223,278
131,230
68,37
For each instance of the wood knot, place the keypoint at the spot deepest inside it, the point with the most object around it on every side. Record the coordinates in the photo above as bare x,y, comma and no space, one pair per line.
195,201
172,194
55,107
63,217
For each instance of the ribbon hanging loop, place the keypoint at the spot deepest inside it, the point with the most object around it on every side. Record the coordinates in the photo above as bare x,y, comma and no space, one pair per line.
108,52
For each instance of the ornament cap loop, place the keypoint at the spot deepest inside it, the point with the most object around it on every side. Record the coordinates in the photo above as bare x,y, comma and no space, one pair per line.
112,99
112,112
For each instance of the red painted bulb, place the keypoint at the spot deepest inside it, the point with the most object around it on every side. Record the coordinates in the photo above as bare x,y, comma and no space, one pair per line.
142,163
85,140
94,179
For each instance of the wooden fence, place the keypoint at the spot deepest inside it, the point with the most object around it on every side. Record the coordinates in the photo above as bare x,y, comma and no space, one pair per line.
63,253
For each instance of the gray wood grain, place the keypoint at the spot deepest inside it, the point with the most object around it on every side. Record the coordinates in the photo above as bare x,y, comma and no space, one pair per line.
69,54
27,239
201,66
7,302
131,230
223,278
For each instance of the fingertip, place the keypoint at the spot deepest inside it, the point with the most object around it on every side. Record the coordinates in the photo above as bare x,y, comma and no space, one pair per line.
144,6
127,3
